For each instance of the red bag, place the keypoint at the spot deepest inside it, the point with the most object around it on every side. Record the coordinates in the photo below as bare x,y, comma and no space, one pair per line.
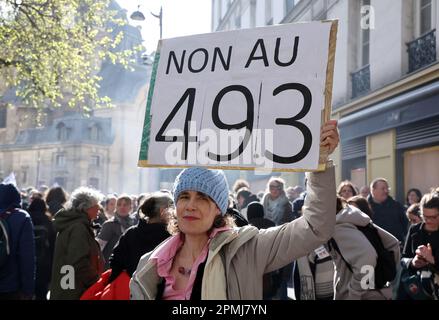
119,289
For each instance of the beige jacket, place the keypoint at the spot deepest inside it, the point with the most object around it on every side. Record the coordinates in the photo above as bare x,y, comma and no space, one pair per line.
358,252
238,258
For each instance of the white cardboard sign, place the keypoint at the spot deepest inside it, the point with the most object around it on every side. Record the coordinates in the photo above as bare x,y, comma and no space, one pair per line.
241,99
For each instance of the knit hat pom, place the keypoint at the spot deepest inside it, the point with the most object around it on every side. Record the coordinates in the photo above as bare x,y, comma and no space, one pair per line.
210,182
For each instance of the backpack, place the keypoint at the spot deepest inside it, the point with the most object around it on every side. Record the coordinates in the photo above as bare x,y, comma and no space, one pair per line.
322,269
385,268
41,238
419,284
5,250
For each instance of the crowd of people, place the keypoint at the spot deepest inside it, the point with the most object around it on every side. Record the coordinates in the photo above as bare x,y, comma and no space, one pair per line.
204,241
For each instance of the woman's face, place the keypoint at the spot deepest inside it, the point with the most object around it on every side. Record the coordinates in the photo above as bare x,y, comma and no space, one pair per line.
413,197
275,190
111,205
346,192
431,218
123,207
240,201
195,212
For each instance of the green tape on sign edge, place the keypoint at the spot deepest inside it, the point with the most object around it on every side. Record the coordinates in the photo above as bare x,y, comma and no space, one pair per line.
143,154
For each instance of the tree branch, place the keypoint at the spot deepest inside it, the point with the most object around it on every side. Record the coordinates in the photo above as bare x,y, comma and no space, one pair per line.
4,63
29,17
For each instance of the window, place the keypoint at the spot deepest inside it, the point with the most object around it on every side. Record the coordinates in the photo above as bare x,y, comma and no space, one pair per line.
238,16
238,22
95,161
365,36
425,16
289,5
319,10
268,12
422,49
24,175
358,177
252,13
62,131
219,13
94,133
60,160
425,159
94,183
3,112
223,8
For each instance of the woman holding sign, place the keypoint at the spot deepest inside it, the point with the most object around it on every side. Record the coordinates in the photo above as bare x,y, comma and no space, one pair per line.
209,258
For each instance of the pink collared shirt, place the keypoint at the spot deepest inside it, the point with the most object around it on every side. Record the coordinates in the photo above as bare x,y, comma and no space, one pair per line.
165,256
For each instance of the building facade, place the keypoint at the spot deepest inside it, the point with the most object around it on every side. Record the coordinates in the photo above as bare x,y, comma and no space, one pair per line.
385,92
70,152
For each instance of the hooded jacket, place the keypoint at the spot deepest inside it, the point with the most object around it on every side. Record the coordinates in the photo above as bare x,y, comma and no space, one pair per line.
233,252
18,274
358,252
76,247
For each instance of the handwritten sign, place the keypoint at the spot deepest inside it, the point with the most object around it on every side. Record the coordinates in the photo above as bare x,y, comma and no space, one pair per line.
241,99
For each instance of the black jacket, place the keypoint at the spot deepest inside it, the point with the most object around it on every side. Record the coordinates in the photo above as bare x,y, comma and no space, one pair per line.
390,216
44,238
418,236
134,243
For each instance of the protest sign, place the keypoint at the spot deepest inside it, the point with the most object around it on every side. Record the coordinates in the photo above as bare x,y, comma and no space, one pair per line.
244,99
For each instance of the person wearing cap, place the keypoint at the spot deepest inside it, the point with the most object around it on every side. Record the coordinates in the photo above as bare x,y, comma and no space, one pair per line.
208,258
17,271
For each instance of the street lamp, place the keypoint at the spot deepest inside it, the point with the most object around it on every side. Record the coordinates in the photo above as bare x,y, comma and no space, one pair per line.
160,17
138,16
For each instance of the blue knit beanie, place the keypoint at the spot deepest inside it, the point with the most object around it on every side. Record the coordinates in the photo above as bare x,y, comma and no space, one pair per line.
210,182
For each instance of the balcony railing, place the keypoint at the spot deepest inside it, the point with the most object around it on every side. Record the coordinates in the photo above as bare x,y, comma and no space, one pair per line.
360,81
422,51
